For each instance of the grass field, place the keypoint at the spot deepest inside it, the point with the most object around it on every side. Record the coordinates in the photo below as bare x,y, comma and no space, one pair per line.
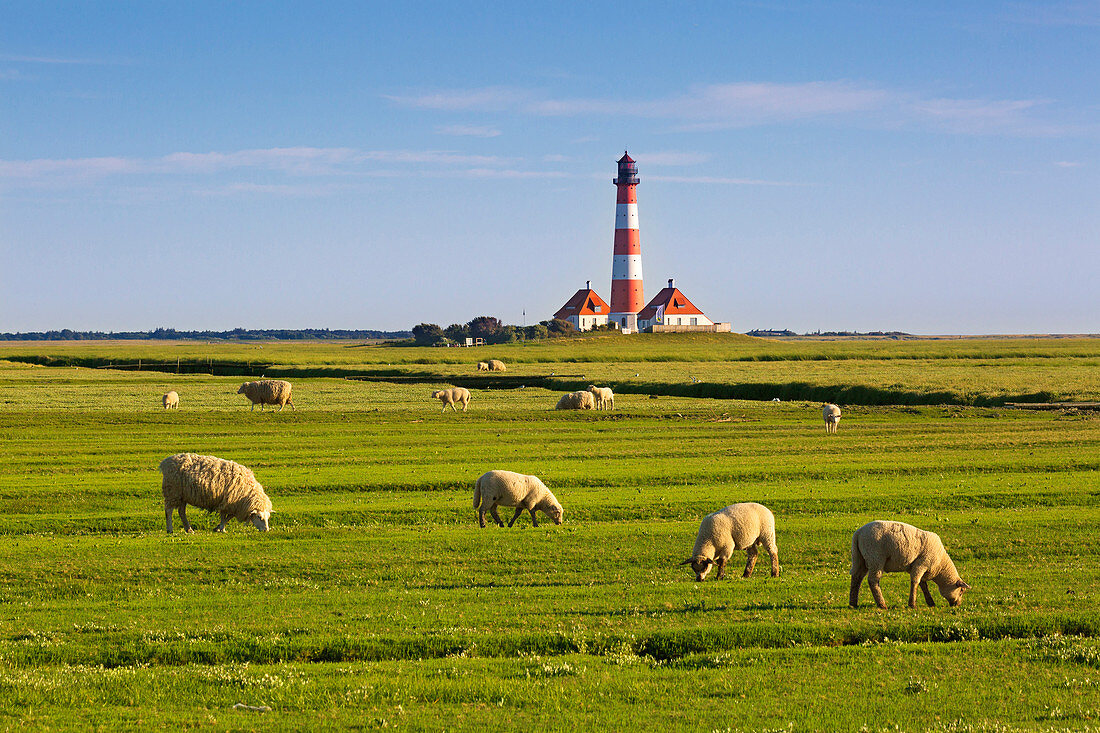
376,601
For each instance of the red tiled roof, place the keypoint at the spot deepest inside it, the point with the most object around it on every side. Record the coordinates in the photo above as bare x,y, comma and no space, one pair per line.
583,303
675,303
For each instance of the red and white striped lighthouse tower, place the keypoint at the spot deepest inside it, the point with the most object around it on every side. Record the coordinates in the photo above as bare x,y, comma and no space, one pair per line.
626,267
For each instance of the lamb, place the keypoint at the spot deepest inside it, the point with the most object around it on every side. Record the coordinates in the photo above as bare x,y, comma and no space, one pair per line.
451,397
215,485
605,398
892,547
171,400
496,365
506,488
831,413
267,392
737,527
483,366
583,400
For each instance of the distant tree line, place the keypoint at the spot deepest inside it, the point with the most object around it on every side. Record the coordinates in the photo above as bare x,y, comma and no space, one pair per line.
491,330
237,334
765,333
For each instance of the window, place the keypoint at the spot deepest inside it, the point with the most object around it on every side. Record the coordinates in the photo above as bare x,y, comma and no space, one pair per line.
624,321
597,308
695,321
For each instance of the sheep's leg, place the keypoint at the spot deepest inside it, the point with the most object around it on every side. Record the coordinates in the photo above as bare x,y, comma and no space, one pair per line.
183,519
751,554
721,568
465,405
773,553
534,519
496,517
913,583
853,594
221,527
872,582
515,516
927,595
481,516
168,517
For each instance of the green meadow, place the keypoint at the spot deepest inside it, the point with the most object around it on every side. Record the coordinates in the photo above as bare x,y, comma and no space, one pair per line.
377,602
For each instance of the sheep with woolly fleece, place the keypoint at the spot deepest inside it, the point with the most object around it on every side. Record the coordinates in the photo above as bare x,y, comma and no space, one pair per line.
896,547
453,396
583,400
171,400
215,485
496,365
831,413
605,398
267,392
507,488
737,527
483,366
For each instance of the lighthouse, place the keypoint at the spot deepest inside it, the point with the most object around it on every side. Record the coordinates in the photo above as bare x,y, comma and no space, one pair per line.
626,265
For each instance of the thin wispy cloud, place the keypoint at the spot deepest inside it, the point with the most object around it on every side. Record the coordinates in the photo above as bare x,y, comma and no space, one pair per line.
746,104
720,180
294,162
59,60
468,131
1057,14
1068,163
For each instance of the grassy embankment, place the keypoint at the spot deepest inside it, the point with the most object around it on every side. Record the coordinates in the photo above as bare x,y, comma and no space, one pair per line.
376,600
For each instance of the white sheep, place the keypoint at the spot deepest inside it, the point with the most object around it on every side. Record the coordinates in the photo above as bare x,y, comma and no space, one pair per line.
215,485
831,413
267,392
894,547
496,365
506,488
737,527
453,396
583,400
171,400
605,398
483,366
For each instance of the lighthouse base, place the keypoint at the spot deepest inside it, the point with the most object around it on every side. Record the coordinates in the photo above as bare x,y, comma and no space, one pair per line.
624,322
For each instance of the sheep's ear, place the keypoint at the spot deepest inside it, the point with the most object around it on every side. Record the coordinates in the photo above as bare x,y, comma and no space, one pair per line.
688,561
960,583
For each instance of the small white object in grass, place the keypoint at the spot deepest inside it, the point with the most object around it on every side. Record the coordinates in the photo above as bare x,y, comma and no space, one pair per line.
253,708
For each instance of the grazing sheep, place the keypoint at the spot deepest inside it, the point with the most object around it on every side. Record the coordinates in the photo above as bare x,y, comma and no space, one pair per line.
483,366
737,527
451,397
505,488
583,400
267,392
496,365
171,400
215,485
605,398
894,547
831,413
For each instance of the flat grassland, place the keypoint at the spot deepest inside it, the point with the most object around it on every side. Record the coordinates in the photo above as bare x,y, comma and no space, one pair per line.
376,601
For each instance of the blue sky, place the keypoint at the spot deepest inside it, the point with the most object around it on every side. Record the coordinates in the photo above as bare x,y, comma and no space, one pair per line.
926,167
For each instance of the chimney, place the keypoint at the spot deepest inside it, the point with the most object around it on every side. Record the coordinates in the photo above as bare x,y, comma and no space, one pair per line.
587,284
670,282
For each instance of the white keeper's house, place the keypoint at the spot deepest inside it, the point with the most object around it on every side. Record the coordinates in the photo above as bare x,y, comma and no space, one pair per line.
670,310
585,310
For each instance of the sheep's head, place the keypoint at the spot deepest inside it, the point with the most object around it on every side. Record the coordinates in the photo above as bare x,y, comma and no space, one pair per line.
243,388
260,520
437,393
555,513
953,591
701,565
